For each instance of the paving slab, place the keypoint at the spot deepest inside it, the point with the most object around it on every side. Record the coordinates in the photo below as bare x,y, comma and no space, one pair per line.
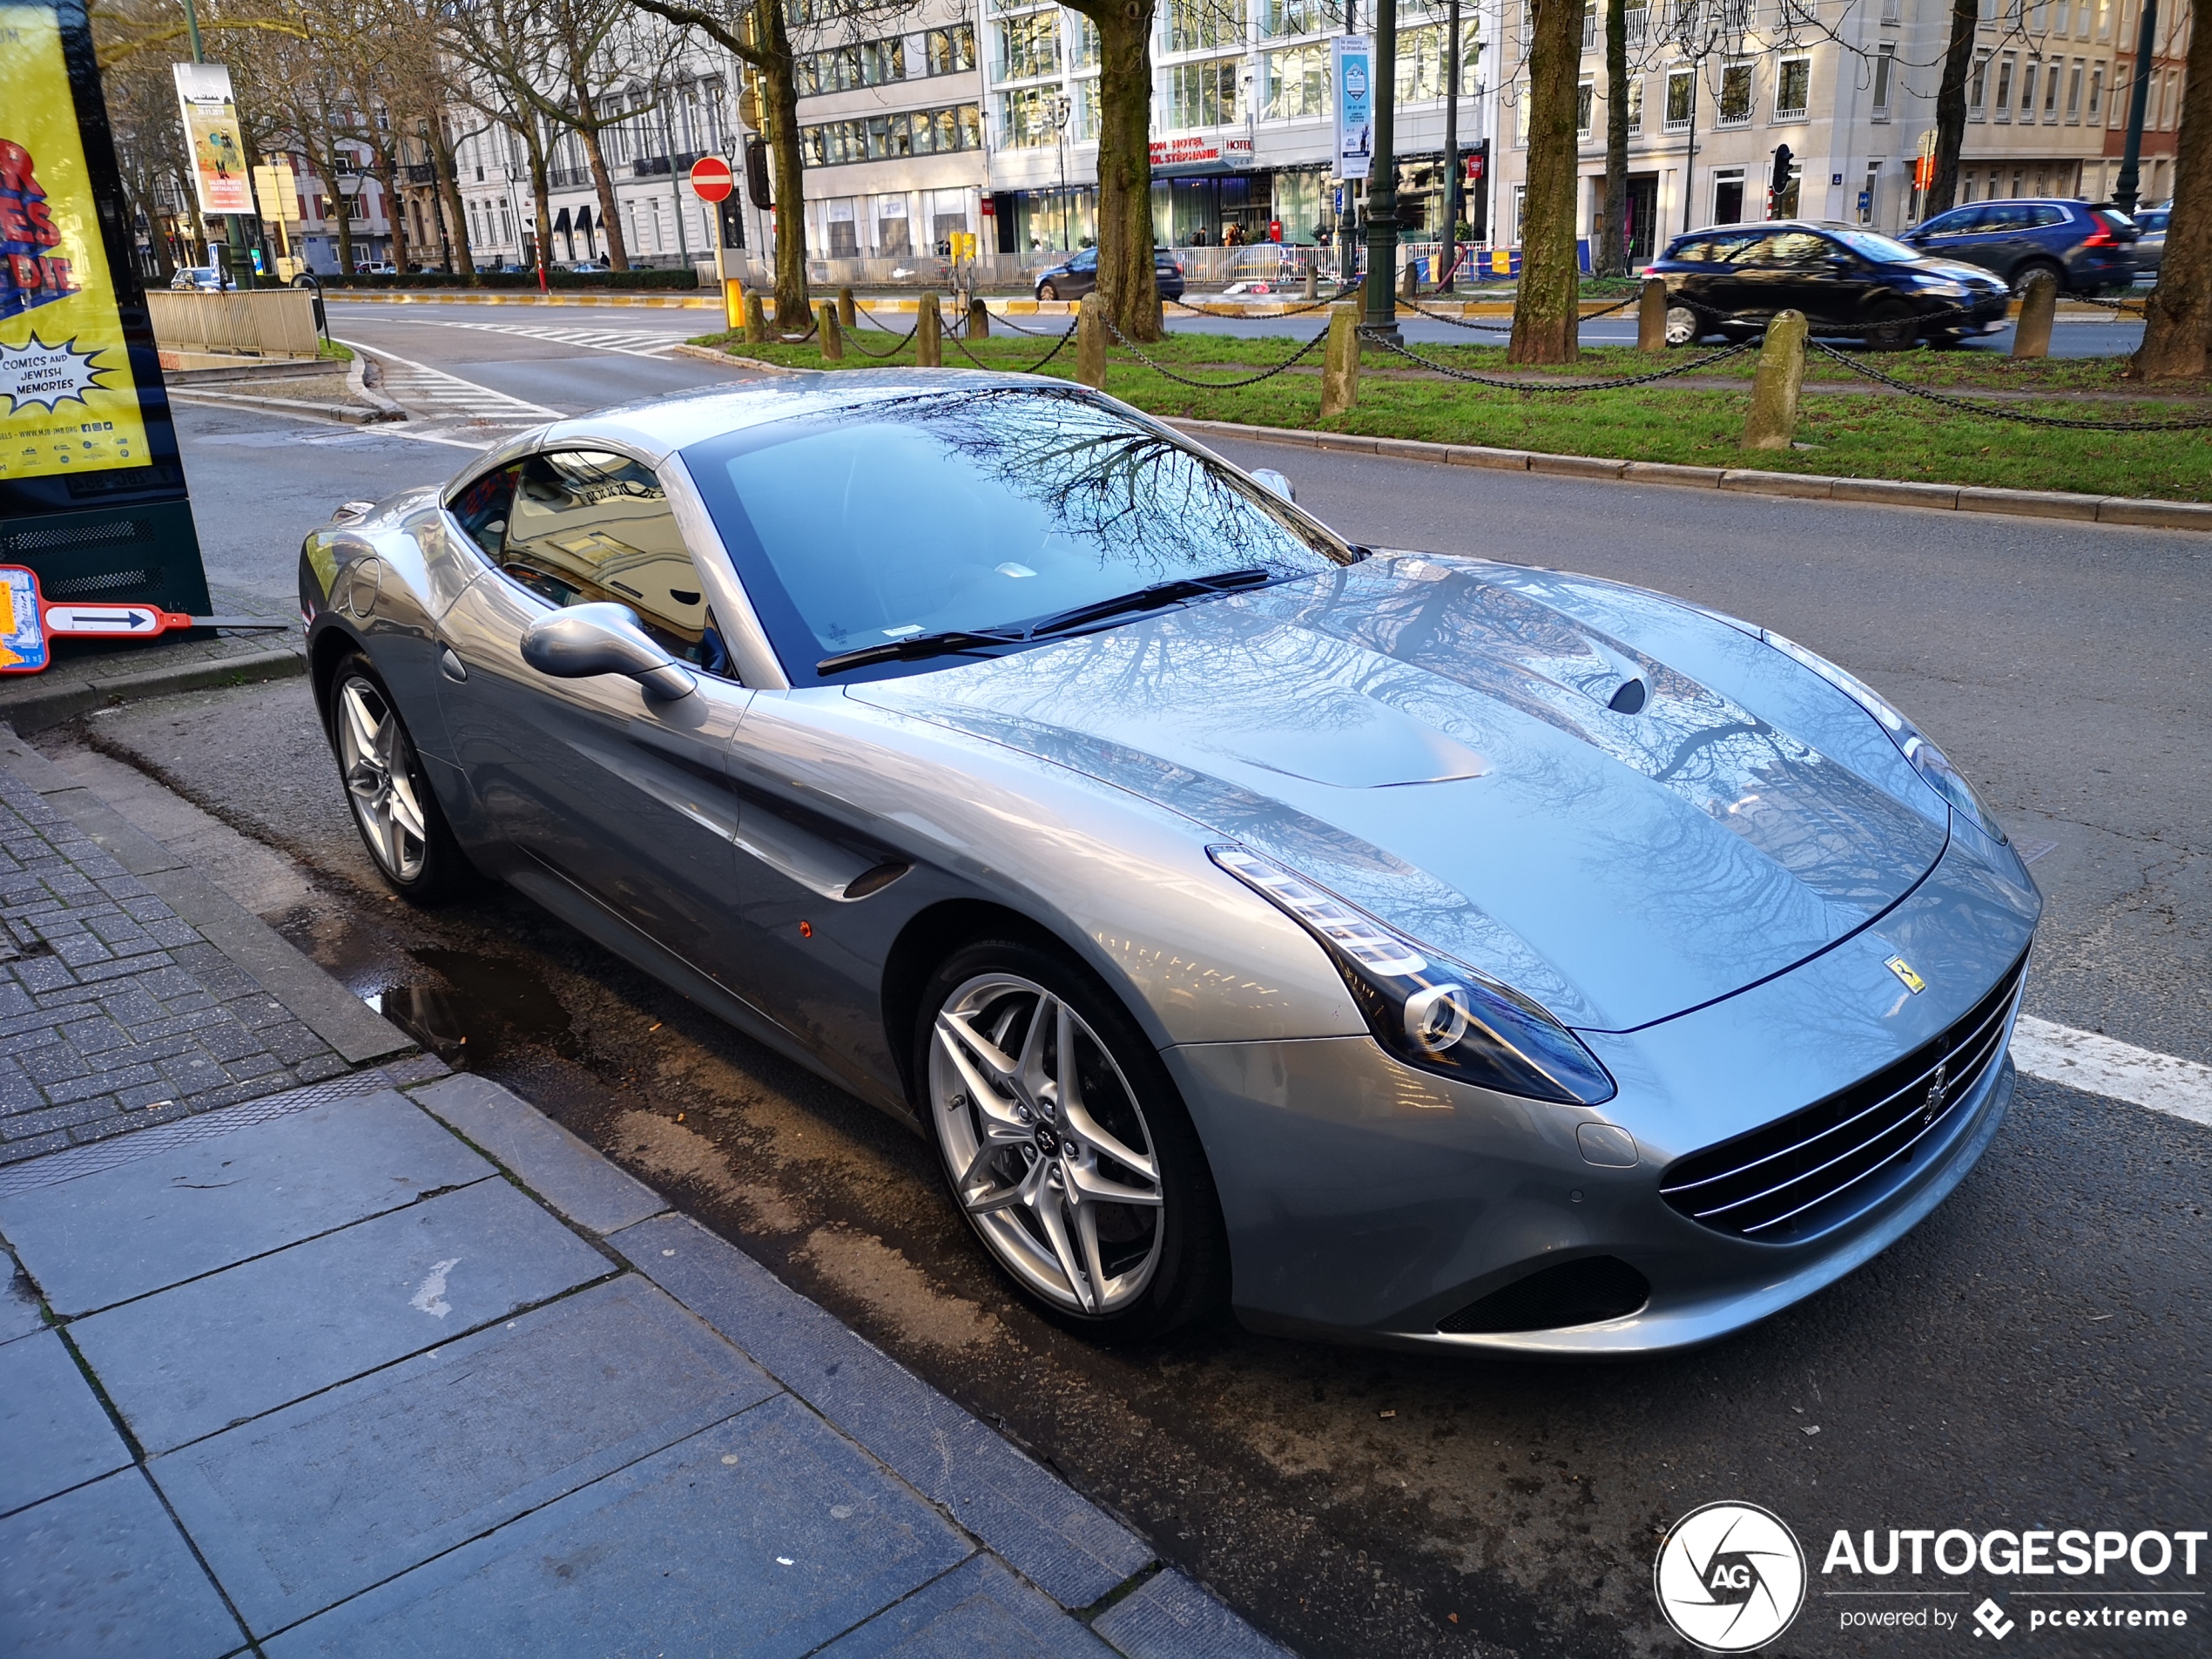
19,1314
154,1222
101,1572
1173,1617
1071,1548
51,1424
549,1160
198,1357
979,1611
312,1504
765,1535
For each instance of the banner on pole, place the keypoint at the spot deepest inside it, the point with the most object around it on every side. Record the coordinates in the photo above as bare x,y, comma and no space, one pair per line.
220,175
1351,75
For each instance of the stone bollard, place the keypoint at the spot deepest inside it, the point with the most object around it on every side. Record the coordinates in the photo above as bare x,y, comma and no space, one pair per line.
929,334
1406,284
1772,423
1312,282
1651,315
756,320
833,337
844,317
979,319
1091,340
1340,360
2038,304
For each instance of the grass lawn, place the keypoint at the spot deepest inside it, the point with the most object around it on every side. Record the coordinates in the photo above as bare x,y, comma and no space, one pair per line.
1853,436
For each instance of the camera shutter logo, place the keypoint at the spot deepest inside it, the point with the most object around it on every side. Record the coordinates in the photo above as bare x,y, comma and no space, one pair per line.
1730,1578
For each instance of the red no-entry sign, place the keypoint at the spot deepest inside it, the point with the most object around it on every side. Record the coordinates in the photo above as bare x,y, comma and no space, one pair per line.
711,179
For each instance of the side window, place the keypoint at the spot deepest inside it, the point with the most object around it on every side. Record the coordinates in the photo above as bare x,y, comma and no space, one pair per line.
2003,217
1800,247
1954,224
483,507
587,526
1086,261
2046,216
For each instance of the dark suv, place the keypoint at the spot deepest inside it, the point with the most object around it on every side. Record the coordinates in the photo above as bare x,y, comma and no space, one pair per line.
1080,275
1846,279
2089,249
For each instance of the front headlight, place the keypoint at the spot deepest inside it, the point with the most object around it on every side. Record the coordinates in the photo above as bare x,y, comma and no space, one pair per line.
1430,1012
1925,758
1948,286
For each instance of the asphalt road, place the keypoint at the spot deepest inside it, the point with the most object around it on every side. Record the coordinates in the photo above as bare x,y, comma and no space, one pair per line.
2035,1354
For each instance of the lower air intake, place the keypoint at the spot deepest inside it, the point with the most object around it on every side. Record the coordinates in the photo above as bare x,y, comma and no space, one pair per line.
1595,1288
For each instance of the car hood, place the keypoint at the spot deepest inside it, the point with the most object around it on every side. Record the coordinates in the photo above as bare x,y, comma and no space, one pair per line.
1444,745
1975,276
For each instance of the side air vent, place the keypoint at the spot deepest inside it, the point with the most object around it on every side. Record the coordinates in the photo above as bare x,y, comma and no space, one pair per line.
1586,1291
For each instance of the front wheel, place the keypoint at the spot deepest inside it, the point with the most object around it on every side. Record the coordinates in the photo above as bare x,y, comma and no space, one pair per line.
399,819
1046,290
1065,1143
1685,326
1892,330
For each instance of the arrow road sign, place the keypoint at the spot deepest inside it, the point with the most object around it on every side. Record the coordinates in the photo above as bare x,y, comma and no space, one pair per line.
103,619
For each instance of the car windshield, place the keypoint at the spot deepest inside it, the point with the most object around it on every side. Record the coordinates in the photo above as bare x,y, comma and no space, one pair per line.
988,509
1872,244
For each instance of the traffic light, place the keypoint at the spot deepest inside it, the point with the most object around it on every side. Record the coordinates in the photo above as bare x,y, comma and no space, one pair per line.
756,173
1782,160
733,222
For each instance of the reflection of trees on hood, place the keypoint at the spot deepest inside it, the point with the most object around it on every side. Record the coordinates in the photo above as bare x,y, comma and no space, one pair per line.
1128,489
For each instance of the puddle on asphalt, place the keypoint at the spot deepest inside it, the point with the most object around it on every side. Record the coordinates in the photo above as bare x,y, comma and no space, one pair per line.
485,1003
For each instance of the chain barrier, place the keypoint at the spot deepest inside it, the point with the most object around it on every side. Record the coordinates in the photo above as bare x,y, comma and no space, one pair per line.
2139,307
1032,368
852,339
1505,327
1138,352
1036,333
1449,373
1288,311
2197,423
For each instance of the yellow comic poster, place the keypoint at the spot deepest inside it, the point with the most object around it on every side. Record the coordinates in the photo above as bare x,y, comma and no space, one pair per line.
68,402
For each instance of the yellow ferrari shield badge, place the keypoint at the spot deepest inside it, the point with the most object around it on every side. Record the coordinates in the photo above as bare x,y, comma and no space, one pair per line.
1903,970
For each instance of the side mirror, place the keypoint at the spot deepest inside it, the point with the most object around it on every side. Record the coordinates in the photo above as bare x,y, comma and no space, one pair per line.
1275,481
585,640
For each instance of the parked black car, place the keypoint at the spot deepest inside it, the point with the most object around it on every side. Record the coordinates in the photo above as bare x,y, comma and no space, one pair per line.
2088,248
1080,275
1730,280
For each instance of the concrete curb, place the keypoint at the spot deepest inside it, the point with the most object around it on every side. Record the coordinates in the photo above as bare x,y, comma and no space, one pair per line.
64,699
345,414
1884,492
357,383
477,297
708,354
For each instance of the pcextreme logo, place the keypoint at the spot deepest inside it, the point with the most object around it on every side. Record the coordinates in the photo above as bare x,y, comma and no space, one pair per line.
1730,1577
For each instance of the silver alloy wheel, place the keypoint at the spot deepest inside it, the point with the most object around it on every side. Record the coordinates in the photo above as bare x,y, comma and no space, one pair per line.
1682,325
1046,1144
374,756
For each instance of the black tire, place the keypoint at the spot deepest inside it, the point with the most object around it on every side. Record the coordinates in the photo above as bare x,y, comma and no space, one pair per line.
395,811
1046,290
2027,268
1736,334
1184,1258
1686,324
1891,328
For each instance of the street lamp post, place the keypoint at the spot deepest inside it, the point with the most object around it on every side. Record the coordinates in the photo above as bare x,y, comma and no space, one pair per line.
1382,179
1057,107
1451,146
2124,191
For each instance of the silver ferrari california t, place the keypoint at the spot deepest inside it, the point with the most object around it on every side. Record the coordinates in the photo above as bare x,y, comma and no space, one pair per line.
1404,948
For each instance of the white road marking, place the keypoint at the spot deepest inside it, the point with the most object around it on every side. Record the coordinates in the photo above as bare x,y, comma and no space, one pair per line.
2099,1065
628,342
419,386
431,1299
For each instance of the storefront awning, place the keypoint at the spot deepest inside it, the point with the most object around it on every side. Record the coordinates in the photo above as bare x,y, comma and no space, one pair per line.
582,219
561,223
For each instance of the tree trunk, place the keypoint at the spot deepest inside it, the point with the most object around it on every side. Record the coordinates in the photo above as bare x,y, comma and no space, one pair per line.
779,102
1127,285
1951,108
2177,324
603,185
396,211
1612,249
541,204
1544,314
450,200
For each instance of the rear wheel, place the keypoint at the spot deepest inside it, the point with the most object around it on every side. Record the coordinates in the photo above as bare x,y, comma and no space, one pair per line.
1065,1143
2031,267
1686,325
399,817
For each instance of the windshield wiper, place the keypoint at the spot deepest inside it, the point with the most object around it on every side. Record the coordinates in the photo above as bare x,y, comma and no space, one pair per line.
916,646
1151,598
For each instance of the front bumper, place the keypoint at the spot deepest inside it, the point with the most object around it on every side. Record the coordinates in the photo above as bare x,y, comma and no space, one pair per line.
1369,1202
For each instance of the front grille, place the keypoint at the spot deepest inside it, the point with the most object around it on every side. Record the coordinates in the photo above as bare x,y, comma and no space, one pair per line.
1801,1175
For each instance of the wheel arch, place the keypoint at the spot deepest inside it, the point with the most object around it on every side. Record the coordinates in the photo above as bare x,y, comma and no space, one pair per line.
329,646
932,934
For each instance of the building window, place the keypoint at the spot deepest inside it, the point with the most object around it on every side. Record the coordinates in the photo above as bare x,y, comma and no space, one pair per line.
1199,26
1521,116
1792,88
1281,18
1728,195
2050,90
909,132
1635,105
950,51
1420,62
1297,83
1585,97
2027,91
1978,89
2074,93
1736,95
1025,118
1682,92
1884,66
871,62
1029,46
2006,66
1203,94
1085,128
1085,54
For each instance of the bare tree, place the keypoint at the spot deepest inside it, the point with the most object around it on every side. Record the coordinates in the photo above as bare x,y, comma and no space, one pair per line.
1612,251
1545,313
500,49
1951,107
2178,323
